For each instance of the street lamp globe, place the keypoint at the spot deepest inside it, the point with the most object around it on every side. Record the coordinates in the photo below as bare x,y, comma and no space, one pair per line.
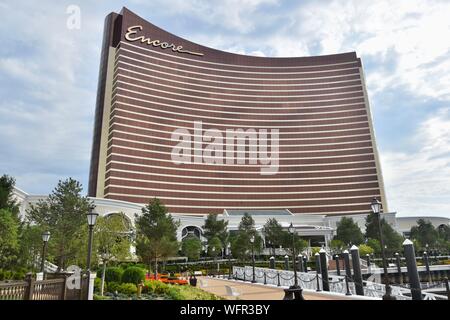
376,206
291,228
46,236
92,218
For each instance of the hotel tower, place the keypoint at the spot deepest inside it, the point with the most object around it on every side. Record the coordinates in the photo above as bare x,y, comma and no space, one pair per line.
165,108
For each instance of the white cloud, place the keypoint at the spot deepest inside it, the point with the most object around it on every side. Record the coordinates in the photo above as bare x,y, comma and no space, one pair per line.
417,183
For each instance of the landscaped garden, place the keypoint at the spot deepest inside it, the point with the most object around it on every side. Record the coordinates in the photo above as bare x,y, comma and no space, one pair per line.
135,283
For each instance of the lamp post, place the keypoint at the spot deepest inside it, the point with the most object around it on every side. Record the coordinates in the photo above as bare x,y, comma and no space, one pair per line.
45,238
92,218
105,257
213,250
376,208
294,292
252,241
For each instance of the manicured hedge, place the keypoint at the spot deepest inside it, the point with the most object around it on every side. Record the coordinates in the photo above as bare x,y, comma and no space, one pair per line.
133,275
113,274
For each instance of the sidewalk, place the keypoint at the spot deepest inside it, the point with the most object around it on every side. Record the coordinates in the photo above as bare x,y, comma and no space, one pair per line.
249,291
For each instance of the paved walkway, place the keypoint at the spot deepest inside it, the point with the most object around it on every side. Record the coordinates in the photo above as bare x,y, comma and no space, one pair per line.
249,291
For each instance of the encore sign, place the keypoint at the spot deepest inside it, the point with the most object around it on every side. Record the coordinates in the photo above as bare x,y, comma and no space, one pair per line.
156,43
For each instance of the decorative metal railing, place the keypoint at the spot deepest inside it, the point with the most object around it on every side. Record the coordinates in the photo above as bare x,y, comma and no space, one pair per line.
337,284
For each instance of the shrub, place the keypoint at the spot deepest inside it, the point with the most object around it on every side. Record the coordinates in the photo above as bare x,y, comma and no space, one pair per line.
364,250
113,286
177,292
127,288
133,275
113,274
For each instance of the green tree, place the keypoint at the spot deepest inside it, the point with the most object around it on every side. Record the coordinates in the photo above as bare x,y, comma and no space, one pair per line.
214,246
299,243
191,247
337,245
112,236
392,239
444,232
365,249
64,215
156,233
9,244
273,232
240,243
349,232
7,200
425,233
30,245
215,228
374,244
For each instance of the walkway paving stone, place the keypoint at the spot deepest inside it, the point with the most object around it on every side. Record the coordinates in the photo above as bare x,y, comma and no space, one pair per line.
249,291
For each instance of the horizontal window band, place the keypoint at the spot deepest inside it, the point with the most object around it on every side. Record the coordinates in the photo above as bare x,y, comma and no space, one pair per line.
115,116
117,95
336,154
166,168
247,81
126,174
315,163
116,133
121,71
268,94
169,205
167,76
340,67
311,105
367,144
224,101
224,64
240,187
270,76
191,149
180,118
190,195
232,115
120,84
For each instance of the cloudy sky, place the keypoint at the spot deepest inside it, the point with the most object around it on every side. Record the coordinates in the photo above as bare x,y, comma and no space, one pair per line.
48,78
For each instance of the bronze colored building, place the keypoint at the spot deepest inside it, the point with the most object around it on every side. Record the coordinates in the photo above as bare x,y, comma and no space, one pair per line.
155,87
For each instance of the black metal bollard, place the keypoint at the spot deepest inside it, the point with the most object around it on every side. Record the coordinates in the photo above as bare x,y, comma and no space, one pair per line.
265,278
338,269
317,256
357,275
348,270
348,293
305,263
272,262
300,263
278,278
447,288
369,263
324,269
411,265
426,261
286,262
399,268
